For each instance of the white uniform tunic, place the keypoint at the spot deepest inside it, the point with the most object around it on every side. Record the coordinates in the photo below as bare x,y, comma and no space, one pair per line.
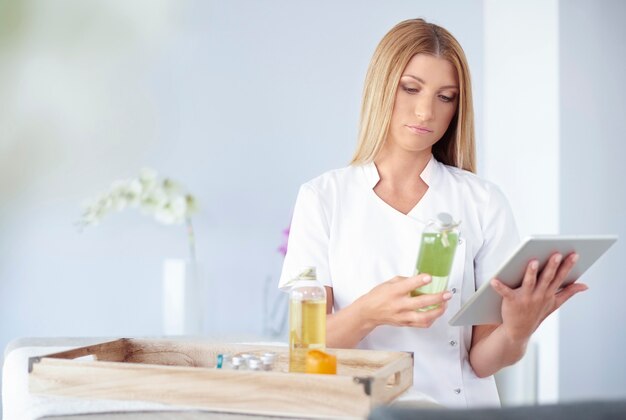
357,241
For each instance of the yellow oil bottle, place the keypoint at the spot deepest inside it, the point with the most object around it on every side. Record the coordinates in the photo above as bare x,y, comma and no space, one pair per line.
307,318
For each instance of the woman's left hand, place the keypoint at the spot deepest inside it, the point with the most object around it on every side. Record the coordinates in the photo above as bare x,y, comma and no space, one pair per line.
525,308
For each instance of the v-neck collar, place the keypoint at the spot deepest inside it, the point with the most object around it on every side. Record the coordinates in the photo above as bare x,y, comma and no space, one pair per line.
430,175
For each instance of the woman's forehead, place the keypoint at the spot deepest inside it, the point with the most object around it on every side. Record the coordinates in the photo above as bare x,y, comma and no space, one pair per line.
431,70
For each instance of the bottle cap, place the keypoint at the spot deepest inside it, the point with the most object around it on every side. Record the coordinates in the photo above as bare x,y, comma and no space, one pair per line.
308,274
444,219
445,222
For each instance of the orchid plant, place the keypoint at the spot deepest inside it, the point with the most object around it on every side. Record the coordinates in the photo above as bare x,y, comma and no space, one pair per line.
164,199
283,247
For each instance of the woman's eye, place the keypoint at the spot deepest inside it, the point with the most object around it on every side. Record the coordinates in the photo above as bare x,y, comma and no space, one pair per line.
408,89
446,98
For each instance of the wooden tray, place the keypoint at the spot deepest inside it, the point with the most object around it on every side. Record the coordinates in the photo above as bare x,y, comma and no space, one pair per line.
183,373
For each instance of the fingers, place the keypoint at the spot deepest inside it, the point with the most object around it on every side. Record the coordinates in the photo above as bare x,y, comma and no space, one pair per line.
530,276
502,289
427,318
529,282
549,271
408,284
567,292
406,311
397,279
423,301
563,271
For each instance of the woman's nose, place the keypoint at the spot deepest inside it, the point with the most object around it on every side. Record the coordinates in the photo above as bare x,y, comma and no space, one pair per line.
424,109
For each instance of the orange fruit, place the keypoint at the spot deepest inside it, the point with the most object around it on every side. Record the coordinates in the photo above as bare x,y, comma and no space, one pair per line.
319,362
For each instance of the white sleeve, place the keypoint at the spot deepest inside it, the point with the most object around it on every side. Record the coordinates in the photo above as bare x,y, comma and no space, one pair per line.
500,236
307,245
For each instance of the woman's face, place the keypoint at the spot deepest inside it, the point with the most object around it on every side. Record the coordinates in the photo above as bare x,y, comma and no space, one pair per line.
426,101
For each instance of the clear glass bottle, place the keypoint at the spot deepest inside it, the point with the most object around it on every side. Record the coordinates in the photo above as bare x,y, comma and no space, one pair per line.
437,248
223,361
254,363
267,362
307,318
238,363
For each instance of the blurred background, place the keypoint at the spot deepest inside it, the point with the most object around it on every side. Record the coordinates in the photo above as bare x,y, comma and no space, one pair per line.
241,102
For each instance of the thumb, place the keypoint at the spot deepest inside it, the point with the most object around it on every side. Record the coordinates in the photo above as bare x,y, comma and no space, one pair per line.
569,291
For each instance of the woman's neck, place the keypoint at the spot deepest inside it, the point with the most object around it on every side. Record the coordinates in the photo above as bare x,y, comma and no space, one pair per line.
401,185
400,168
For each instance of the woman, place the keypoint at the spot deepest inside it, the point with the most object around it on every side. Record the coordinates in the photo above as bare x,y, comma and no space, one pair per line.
360,226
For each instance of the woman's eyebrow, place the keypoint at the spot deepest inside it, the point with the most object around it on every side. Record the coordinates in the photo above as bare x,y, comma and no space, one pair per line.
422,82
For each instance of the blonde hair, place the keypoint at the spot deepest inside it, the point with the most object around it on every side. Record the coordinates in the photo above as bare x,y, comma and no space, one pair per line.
395,50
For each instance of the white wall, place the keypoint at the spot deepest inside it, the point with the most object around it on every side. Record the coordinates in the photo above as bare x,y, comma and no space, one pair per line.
554,141
521,151
241,101
593,195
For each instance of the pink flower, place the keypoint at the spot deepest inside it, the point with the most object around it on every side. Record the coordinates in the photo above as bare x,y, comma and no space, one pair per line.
283,248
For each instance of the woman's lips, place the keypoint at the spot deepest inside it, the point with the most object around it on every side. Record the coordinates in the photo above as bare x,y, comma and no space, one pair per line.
418,129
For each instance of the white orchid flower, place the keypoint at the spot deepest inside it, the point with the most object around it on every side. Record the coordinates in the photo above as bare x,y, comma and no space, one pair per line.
164,200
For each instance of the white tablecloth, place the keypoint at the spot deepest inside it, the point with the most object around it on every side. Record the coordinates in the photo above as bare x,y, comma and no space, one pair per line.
19,404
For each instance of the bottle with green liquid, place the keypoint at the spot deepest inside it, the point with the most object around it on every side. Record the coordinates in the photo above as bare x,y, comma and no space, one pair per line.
439,241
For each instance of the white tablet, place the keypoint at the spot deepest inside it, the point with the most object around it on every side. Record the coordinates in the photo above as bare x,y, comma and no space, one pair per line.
485,304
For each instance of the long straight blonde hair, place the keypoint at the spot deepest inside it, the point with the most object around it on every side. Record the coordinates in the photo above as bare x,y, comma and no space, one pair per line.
398,46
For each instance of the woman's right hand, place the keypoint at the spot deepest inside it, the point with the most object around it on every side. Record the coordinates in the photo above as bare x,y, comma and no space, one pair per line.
391,303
